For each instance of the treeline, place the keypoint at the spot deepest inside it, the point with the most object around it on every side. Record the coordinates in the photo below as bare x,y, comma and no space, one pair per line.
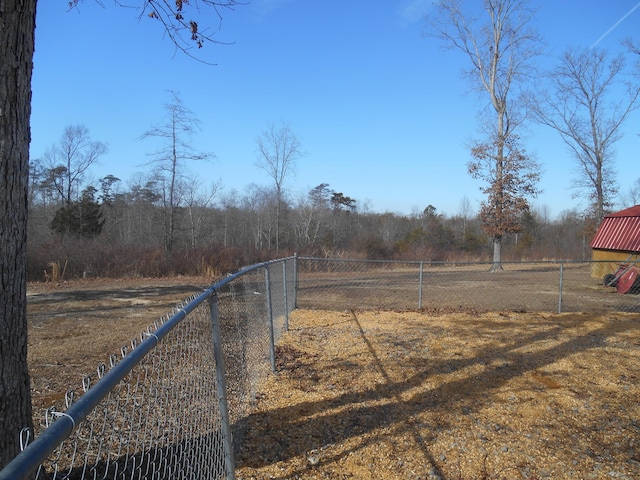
109,231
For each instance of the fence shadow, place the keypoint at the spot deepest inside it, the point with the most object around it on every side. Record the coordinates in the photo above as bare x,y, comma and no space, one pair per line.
242,316
182,459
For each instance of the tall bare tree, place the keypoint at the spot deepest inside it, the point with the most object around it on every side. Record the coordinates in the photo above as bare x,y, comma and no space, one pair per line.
70,159
587,102
179,127
465,214
500,46
67,162
17,35
279,149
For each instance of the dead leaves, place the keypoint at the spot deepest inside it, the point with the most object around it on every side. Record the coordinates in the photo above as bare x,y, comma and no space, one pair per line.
418,396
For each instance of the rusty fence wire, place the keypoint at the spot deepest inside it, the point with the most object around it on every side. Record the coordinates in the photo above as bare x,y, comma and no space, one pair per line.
171,404
553,286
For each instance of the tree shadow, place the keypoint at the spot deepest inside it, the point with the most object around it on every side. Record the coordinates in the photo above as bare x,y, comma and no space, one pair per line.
96,302
314,424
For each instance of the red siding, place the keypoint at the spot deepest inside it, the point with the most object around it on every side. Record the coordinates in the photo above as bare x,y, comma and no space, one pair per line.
619,231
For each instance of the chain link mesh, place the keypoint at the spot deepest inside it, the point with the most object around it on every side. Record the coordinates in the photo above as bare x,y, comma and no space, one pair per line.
337,284
162,421
166,418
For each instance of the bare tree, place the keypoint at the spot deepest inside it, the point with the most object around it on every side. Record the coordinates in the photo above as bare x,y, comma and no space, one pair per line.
179,127
313,214
632,196
500,51
68,161
279,149
632,46
587,103
230,203
259,203
198,201
465,214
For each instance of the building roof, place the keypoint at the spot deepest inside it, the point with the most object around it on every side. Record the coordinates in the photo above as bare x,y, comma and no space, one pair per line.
619,231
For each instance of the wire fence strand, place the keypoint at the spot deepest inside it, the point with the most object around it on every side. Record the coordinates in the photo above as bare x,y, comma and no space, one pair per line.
157,411
338,284
174,403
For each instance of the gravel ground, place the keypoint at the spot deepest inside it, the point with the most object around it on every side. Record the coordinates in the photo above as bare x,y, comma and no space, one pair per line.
449,395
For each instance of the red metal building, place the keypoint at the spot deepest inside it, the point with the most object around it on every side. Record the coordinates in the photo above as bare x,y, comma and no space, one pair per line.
617,241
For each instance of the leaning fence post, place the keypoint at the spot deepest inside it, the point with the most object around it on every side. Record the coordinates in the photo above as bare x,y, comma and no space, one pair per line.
227,439
284,288
272,341
561,285
420,289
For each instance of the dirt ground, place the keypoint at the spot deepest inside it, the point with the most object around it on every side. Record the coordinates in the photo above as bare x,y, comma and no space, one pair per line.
74,326
398,395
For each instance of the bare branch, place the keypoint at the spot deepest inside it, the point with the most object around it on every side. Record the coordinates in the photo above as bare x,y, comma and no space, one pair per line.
182,20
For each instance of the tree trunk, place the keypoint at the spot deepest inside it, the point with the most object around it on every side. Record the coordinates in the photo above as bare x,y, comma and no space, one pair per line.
278,222
17,28
497,254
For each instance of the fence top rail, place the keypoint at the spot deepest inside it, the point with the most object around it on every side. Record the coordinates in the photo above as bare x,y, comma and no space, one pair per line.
448,262
244,270
41,447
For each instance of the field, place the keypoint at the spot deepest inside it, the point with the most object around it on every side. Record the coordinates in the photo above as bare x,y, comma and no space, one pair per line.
443,394
75,326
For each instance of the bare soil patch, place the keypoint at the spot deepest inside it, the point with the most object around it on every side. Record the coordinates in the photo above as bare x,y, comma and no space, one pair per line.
527,287
371,394
74,326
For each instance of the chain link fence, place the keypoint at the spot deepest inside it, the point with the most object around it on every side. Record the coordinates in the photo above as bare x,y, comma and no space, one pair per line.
173,404
339,284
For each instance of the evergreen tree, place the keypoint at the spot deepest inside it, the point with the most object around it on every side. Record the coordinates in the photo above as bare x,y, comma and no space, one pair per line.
82,218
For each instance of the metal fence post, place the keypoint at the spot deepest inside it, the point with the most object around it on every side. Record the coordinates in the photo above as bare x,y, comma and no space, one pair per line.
272,341
284,288
227,439
420,289
295,280
561,286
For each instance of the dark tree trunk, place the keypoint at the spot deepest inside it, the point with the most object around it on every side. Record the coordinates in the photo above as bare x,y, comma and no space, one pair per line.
17,28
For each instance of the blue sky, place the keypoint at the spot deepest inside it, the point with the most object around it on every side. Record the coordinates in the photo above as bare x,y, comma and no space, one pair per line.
382,112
